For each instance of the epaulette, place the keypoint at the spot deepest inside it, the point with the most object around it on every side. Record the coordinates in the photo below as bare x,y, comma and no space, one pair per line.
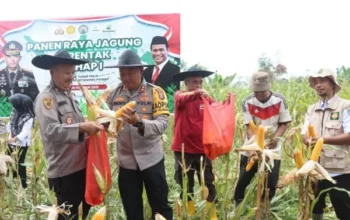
152,85
26,70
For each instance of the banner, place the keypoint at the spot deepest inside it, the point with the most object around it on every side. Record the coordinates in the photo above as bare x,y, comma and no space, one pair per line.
99,39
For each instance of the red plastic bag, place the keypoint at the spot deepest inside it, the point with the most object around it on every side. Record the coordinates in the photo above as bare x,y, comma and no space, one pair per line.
98,157
219,124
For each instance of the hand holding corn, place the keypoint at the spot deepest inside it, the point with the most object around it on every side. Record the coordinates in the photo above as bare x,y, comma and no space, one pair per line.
130,115
313,164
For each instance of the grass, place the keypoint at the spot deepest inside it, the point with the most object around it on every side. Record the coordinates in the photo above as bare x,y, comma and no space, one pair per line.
283,206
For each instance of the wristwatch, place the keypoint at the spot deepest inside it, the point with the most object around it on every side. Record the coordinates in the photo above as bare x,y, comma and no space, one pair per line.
138,124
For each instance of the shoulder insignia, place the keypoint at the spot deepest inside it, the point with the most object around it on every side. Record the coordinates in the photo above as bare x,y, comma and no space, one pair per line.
48,103
160,92
26,70
151,85
142,89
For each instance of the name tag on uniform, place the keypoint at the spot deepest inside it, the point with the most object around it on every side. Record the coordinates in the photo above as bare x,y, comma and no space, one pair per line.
22,83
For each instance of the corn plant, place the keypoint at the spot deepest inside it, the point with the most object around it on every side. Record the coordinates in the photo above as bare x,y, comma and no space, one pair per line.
288,203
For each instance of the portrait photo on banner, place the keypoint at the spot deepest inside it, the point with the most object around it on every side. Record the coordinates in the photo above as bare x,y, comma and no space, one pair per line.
101,40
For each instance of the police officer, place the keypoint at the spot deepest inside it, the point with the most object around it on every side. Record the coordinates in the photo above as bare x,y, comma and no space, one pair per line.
63,131
330,117
14,79
139,146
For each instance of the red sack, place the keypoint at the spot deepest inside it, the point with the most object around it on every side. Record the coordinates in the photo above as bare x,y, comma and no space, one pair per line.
98,157
219,125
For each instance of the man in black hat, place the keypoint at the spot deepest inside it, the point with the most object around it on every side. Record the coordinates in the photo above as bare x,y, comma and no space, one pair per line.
162,73
14,79
139,146
63,131
188,131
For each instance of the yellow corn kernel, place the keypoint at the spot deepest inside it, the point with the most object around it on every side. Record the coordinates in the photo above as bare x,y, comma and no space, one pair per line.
249,165
260,137
100,214
317,150
311,131
252,127
298,158
204,192
100,180
131,105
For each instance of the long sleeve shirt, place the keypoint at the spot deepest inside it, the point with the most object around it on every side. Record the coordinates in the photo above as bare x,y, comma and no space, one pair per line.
188,128
59,115
25,136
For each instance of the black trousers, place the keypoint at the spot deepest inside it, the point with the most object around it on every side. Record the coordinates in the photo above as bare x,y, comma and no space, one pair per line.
131,188
340,200
70,190
21,170
245,178
193,161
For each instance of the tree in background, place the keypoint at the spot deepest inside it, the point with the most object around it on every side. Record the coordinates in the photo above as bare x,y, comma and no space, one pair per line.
265,64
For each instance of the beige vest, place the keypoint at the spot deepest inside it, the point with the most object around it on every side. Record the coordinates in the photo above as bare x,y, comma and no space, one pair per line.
334,158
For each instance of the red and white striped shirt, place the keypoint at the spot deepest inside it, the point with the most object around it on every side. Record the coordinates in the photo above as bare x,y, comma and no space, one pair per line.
270,113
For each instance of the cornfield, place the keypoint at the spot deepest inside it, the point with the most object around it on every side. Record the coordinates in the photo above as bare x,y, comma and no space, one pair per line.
17,204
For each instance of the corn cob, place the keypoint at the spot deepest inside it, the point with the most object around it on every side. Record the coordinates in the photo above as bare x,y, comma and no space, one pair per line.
260,140
100,180
311,131
252,127
317,150
100,214
250,165
260,137
118,113
298,158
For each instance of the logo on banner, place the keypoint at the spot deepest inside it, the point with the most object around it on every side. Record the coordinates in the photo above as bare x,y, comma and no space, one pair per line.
70,29
83,29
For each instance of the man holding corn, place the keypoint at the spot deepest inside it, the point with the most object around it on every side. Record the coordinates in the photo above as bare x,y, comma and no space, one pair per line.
63,131
139,145
330,118
188,132
265,108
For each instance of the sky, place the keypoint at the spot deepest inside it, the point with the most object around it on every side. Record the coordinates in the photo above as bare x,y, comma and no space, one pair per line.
229,36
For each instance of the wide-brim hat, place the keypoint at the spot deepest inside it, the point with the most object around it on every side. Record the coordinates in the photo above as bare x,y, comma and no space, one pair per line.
192,71
46,61
129,59
325,72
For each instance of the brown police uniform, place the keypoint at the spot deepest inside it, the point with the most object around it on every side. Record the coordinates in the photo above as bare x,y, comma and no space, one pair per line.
20,80
59,115
141,155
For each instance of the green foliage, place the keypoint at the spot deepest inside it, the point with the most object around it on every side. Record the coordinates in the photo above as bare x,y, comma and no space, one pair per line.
5,107
170,92
283,206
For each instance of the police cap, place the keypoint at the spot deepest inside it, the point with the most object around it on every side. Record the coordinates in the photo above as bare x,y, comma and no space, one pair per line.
12,48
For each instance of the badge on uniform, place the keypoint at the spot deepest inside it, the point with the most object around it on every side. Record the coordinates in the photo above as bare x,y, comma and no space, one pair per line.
48,103
69,120
160,93
120,99
334,116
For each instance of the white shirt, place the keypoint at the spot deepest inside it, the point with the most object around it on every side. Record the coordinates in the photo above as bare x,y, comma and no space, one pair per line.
25,136
160,66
